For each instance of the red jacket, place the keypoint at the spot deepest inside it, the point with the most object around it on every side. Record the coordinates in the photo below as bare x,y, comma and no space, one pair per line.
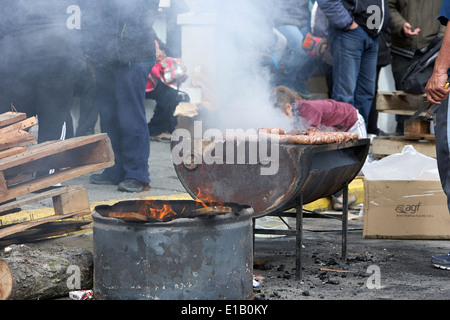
329,113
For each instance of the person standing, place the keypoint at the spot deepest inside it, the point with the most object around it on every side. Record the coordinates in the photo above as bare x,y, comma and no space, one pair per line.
412,34
353,35
437,93
40,59
291,19
121,47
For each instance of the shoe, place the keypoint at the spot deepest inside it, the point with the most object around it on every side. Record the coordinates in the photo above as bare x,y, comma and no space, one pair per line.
338,201
381,133
441,262
99,178
163,137
132,185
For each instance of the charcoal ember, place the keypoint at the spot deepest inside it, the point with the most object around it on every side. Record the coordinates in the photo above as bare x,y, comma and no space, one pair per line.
306,293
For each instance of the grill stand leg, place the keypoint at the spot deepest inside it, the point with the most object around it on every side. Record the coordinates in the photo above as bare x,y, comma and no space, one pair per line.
344,221
298,237
299,230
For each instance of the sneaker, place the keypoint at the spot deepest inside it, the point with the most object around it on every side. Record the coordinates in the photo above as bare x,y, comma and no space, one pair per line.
163,137
381,133
441,262
100,178
132,185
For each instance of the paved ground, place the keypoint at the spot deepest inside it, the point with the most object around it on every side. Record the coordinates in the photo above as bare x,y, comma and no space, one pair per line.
374,269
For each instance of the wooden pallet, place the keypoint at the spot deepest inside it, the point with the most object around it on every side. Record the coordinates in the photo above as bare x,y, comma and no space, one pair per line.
28,171
385,146
399,102
68,202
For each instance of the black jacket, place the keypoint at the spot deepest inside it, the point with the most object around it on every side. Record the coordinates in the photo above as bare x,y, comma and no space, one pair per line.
342,13
35,30
120,31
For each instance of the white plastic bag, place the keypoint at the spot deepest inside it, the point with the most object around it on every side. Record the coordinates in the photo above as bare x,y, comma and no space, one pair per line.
407,165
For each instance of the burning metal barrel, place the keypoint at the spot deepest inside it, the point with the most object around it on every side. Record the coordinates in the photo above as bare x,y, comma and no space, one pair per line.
173,250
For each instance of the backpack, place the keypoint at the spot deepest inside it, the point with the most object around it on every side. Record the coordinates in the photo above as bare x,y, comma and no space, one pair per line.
419,72
315,43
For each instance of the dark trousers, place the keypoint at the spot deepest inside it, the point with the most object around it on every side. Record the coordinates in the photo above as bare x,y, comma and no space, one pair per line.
400,65
167,99
442,146
120,99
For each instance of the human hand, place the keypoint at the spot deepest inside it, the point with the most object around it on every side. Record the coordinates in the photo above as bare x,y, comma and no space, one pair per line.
354,25
160,55
407,29
436,88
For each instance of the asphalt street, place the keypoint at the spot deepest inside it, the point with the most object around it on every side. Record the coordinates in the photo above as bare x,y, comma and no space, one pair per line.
375,269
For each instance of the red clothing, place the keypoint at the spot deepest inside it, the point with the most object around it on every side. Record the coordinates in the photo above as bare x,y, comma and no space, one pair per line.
170,71
329,113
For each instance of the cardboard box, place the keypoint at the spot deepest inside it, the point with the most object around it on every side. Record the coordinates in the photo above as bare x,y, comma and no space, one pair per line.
405,210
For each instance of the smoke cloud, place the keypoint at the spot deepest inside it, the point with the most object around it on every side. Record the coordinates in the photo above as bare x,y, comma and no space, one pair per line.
38,35
245,46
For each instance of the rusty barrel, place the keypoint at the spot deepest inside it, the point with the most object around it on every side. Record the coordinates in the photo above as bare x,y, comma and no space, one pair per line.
313,171
205,257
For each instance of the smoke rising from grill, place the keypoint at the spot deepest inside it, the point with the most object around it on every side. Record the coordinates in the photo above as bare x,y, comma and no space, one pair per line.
245,43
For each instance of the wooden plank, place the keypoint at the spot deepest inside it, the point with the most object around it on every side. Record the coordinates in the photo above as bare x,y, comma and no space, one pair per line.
20,178
54,149
419,129
11,151
30,224
73,201
33,197
399,102
400,112
3,185
16,139
384,146
44,231
21,125
8,118
50,180
420,136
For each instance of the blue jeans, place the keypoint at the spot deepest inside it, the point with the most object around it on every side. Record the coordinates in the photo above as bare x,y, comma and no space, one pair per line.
299,64
354,68
120,98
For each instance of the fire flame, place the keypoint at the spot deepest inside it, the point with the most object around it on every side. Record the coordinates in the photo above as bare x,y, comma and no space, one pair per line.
206,200
151,210
160,213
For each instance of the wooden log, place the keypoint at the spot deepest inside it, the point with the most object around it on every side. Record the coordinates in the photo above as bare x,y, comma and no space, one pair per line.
38,273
